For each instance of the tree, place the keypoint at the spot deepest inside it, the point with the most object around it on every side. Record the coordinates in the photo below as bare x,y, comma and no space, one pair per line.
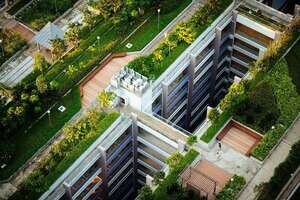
41,84
105,99
40,63
72,36
58,47
88,19
174,159
145,193
185,33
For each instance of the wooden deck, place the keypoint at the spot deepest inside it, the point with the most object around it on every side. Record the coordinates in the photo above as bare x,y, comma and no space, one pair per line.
101,79
206,179
240,137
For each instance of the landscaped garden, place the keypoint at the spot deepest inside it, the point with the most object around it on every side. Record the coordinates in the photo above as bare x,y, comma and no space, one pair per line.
28,141
169,187
78,138
10,44
153,65
268,102
34,95
38,13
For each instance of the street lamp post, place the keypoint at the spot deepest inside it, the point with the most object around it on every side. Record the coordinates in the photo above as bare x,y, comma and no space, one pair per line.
2,49
98,40
49,117
158,11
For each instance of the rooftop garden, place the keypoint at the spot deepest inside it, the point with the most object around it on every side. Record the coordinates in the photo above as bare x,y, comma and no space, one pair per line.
78,138
169,187
268,102
258,16
45,86
153,65
281,175
28,140
10,44
38,13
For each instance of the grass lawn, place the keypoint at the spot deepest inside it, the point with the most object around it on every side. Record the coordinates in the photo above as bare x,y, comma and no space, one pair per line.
28,143
215,127
150,29
293,58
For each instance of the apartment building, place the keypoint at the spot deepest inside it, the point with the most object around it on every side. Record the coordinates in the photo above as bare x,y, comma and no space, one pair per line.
128,154
202,74
119,162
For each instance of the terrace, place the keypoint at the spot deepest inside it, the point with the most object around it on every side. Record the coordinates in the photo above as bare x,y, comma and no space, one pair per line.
239,137
205,179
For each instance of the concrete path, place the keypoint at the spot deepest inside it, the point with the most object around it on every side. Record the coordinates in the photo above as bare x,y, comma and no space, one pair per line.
278,156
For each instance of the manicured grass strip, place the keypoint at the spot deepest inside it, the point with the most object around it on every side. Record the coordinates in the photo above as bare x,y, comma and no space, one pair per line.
28,143
215,127
232,188
292,59
161,191
150,29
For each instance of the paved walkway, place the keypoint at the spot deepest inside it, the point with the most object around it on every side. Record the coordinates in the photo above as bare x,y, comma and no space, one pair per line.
278,156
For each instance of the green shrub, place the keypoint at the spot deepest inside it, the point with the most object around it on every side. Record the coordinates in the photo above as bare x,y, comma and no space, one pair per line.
192,139
232,188
213,114
215,127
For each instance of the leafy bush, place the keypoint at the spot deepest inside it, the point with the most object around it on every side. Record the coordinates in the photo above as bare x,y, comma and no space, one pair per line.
281,175
192,139
174,159
158,177
145,193
213,114
215,127
232,188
